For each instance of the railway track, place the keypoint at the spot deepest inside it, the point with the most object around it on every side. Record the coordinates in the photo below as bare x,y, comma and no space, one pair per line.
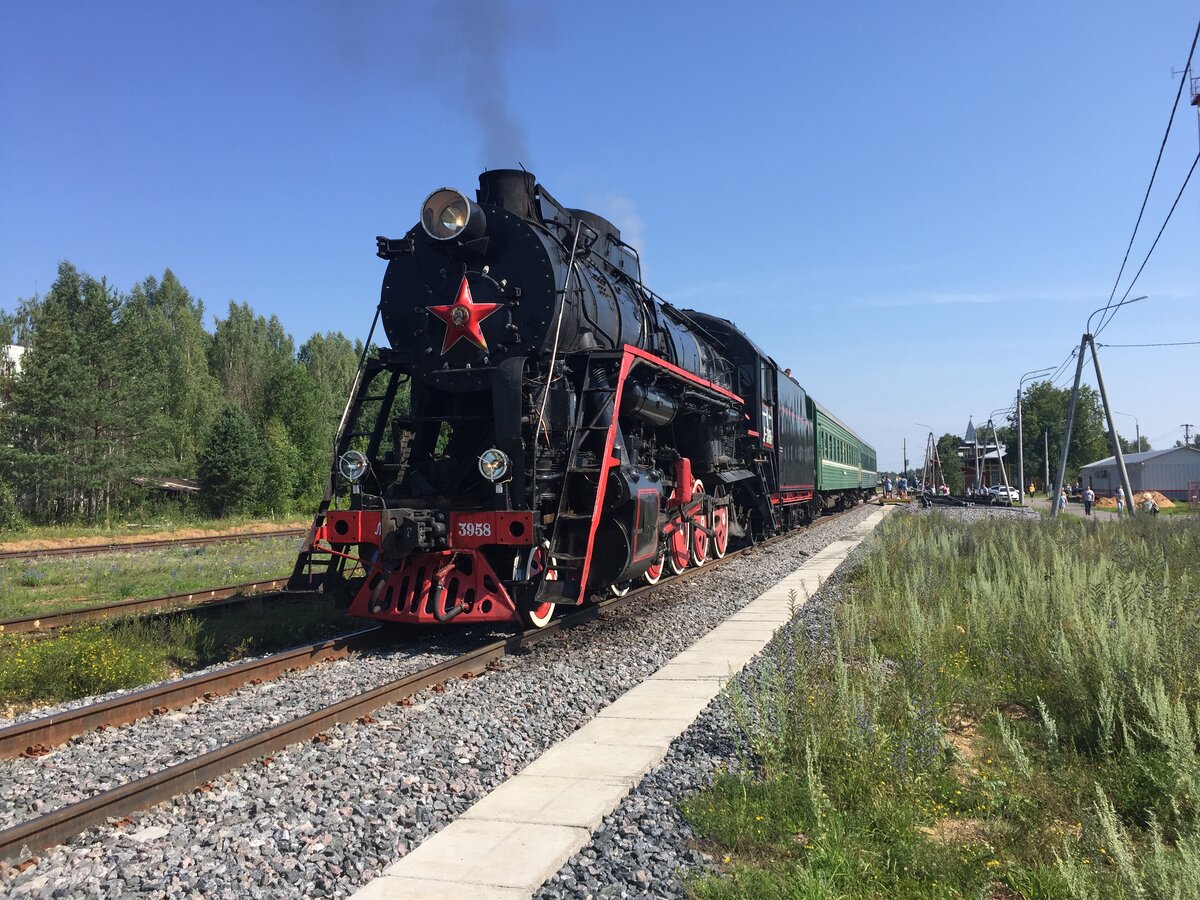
37,736
62,824
213,597
132,546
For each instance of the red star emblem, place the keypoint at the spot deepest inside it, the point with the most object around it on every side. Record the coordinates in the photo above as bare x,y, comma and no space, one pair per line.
463,318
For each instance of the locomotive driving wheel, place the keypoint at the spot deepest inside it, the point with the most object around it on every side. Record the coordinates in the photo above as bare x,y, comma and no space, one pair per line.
698,526
654,574
719,523
678,546
541,616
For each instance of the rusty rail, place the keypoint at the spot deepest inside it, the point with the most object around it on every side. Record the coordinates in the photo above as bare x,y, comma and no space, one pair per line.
162,544
206,599
36,736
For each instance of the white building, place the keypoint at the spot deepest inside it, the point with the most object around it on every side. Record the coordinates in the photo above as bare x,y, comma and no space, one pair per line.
1167,471
10,363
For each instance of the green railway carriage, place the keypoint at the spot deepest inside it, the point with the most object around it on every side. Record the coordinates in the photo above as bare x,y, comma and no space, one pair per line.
846,468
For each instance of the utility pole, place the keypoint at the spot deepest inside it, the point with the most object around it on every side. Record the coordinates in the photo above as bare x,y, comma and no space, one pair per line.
1112,427
1085,344
1187,436
1046,458
1000,459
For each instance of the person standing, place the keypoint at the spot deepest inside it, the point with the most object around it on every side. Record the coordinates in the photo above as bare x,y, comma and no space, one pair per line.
1062,500
903,487
1120,500
1089,497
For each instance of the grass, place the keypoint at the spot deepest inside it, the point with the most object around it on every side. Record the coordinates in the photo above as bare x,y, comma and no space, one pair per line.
1007,709
95,659
54,584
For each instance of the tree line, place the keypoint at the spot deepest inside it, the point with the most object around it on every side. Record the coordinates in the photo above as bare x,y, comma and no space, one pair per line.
1044,419
119,390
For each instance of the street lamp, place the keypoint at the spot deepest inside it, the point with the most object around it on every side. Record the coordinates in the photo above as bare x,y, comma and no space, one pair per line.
1137,447
1021,429
1088,329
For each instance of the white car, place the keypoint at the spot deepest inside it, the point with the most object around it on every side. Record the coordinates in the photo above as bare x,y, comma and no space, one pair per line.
999,491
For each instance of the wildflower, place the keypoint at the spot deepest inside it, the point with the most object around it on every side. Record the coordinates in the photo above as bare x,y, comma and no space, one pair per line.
992,863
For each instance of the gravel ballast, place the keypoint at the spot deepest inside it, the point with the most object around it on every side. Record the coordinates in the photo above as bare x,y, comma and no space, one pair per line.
324,817
645,847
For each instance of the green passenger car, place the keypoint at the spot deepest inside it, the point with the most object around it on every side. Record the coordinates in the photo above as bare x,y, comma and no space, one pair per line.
846,469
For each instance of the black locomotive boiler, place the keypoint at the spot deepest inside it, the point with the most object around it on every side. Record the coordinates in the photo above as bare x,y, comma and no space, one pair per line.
542,428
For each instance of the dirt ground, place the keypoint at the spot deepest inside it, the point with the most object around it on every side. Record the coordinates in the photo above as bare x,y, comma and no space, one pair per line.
1111,502
177,534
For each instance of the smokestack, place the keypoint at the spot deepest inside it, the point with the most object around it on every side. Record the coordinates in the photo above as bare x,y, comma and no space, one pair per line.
512,189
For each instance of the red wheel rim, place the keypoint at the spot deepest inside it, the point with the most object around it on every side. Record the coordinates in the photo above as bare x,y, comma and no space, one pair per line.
699,542
679,552
720,525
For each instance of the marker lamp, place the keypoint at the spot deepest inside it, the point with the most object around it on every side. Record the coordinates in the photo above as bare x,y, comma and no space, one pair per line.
493,464
353,465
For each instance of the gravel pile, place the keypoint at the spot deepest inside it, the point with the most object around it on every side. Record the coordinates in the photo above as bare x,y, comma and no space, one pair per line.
323,817
645,847
968,514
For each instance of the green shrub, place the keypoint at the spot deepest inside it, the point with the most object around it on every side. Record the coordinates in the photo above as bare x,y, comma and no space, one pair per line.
86,660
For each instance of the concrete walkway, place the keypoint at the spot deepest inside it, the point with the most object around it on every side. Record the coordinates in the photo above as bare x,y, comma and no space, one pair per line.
509,843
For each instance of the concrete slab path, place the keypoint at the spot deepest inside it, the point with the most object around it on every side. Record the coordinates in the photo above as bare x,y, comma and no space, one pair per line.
509,843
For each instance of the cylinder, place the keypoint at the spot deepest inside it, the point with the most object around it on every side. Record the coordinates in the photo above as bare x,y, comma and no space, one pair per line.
649,404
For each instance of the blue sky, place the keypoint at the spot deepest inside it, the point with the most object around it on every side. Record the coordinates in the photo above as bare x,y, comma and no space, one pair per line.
908,204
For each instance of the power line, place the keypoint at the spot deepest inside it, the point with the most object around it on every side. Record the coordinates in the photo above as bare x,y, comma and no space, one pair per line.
1062,366
1170,212
1161,147
1171,344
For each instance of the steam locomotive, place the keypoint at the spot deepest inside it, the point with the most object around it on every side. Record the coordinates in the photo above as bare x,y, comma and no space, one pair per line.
542,428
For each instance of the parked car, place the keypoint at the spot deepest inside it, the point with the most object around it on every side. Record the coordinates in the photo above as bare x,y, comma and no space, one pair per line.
1000,492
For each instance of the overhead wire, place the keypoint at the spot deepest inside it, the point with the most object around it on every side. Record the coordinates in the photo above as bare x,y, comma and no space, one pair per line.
1062,365
1182,188
1167,344
1162,146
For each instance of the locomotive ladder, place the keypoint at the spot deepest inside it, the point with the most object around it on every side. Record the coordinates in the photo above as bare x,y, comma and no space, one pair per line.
313,564
582,497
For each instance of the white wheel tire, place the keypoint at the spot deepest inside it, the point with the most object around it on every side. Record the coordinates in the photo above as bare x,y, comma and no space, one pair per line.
662,566
540,617
697,559
672,562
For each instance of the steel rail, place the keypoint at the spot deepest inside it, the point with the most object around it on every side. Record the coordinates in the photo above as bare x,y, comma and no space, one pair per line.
201,599
64,823
36,736
164,543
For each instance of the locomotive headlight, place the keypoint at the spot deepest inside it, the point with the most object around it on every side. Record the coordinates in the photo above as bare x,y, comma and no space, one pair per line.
447,214
493,464
353,465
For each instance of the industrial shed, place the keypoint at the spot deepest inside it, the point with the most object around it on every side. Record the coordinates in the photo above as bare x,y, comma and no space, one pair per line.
1165,471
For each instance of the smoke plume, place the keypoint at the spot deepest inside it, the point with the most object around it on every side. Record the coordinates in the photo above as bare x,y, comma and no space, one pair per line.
482,34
